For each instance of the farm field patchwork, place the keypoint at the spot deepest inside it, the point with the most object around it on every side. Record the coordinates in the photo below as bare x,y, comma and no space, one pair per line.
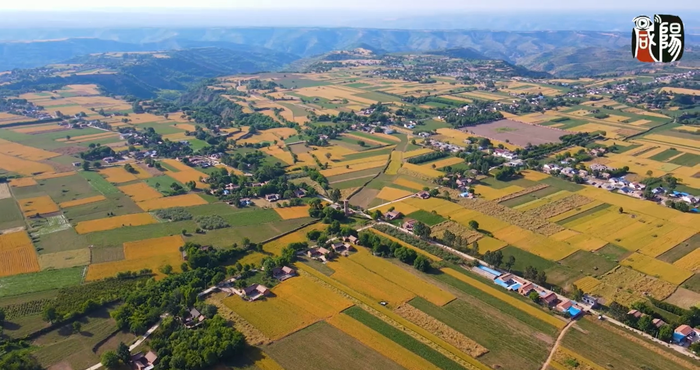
114,222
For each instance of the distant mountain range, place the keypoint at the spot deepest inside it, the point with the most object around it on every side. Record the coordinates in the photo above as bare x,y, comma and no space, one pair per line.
514,47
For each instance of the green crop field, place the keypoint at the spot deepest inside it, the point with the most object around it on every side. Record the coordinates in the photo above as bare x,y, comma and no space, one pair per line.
666,154
11,216
117,237
332,349
118,204
403,339
496,304
109,254
680,250
584,214
588,263
426,217
236,216
608,347
99,183
478,321
524,258
530,197
60,241
40,281
687,159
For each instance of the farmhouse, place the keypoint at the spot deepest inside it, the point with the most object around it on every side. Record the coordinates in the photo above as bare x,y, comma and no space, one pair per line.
504,153
272,197
408,224
393,215
352,239
342,248
193,318
658,323
526,288
548,298
634,313
256,291
423,195
140,361
685,334
300,193
318,253
590,300
283,273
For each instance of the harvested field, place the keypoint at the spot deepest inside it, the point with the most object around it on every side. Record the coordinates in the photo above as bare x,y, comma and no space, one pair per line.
491,193
389,193
25,152
337,169
22,182
450,161
511,216
458,229
185,200
140,192
117,175
39,205
20,260
587,283
288,213
394,164
79,202
559,206
684,298
147,248
114,222
46,176
653,267
520,193
5,191
627,286
421,170
517,133
443,331
65,259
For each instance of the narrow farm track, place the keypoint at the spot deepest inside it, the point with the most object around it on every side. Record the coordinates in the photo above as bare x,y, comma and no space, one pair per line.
556,344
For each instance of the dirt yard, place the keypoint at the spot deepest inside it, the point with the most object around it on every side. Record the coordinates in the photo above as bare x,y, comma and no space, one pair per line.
516,133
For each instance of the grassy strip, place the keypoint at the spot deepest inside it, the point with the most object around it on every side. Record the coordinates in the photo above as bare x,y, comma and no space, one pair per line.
426,217
99,183
401,338
506,303
583,214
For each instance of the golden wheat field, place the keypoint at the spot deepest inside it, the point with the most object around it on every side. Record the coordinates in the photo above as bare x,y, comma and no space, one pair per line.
338,170
389,193
394,163
22,182
114,222
288,213
185,200
140,192
14,240
79,202
186,173
690,261
39,205
25,152
97,271
425,171
152,247
23,166
46,176
275,247
409,184
587,283
20,260
653,267
117,175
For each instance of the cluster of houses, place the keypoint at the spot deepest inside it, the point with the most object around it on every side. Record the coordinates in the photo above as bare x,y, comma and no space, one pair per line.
341,247
442,146
686,335
141,361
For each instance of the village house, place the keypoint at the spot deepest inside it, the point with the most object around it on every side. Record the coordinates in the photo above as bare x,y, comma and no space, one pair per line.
318,253
393,215
658,323
352,239
140,361
408,224
590,300
526,289
423,195
342,248
549,168
256,291
272,197
634,313
193,318
685,335
548,298
300,193
283,273
503,153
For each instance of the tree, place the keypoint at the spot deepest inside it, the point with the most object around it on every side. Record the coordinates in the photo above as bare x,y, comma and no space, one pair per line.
49,314
422,263
422,230
166,269
97,164
510,262
650,173
86,166
123,353
474,225
405,255
313,234
184,232
534,296
644,323
666,333
577,294
335,195
621,210
377,215
110,360
328,155
77,326
2,316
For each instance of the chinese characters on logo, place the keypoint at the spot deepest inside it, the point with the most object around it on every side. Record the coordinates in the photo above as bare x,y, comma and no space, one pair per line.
658,41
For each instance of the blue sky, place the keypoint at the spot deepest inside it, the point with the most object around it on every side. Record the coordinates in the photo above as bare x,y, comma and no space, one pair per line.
402,5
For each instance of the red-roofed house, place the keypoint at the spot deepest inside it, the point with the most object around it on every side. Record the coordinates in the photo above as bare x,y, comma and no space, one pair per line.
549,298
140,361
526,289
256,291
423,195
408,224
393,215
564,306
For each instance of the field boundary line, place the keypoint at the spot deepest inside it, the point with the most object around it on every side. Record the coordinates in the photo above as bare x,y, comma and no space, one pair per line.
560,337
